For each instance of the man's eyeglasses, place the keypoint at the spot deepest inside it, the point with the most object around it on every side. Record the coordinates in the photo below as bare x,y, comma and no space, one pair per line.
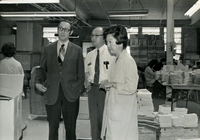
63,29
95,35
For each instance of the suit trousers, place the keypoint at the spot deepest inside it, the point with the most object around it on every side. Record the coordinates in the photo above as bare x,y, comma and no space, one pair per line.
96,99
69,111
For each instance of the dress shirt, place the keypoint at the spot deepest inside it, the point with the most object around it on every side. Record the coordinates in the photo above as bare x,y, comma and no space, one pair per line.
106,60
59,46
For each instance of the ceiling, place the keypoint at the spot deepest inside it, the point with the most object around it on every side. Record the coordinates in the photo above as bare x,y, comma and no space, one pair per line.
94,12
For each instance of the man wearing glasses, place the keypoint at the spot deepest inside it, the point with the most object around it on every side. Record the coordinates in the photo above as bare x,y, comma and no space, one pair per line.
97,66
61,78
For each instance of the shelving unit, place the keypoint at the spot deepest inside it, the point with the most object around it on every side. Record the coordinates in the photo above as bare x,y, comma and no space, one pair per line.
143,48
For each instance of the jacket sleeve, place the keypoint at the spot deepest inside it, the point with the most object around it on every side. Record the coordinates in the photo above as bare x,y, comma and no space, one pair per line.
80,70
41,71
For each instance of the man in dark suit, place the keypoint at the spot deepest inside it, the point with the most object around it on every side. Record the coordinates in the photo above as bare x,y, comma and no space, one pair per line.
61,79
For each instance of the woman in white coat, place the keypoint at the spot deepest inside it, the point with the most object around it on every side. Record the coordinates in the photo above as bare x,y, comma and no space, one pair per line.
120,112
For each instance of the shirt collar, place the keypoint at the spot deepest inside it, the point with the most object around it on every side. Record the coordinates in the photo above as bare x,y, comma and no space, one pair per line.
102,48
9,57
66,44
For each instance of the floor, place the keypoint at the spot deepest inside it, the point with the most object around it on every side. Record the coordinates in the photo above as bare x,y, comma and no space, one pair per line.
36,128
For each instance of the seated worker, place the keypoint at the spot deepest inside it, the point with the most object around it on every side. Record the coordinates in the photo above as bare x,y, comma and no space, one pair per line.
154,86
149,73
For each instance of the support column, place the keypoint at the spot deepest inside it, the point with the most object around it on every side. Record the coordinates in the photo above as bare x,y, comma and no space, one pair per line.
170,42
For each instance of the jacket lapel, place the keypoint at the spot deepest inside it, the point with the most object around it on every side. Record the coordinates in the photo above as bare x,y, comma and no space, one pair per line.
55,57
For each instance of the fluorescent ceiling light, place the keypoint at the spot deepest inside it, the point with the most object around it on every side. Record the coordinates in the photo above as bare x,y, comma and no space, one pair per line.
193,9
37,14
27,1
128,13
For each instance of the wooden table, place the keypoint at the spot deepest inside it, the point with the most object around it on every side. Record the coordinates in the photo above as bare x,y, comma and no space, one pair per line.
186,87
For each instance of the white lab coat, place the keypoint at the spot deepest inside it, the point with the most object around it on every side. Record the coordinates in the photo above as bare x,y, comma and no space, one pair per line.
120,111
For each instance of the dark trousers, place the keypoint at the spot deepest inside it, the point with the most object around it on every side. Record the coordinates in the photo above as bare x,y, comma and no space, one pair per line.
69,112
96,99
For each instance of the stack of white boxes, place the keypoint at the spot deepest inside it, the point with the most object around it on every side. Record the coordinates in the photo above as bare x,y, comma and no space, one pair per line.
145,105
145,109
10,106
177,124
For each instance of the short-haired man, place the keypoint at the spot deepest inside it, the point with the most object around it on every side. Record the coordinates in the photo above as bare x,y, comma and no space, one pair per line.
94,76
61,78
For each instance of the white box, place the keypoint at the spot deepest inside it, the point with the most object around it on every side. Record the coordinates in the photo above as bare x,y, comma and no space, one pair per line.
11,86
83,108
10,118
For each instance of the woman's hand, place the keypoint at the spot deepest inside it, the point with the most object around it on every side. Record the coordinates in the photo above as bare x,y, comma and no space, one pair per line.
107,85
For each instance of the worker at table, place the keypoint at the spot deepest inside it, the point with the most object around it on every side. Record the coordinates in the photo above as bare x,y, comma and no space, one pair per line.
153,85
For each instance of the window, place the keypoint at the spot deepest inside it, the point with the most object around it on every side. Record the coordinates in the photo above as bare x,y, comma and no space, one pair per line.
177,40
49,33
151,30
132,30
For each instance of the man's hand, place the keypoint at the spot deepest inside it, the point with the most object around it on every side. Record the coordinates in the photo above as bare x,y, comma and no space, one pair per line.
40,87
88,87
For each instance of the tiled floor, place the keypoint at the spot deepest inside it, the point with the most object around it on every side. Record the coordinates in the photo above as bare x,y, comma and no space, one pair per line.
37,128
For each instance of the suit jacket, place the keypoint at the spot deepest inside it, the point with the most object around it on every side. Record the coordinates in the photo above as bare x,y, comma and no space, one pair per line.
70,75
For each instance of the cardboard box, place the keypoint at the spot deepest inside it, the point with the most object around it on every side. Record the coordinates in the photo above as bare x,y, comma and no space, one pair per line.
83,108
83,131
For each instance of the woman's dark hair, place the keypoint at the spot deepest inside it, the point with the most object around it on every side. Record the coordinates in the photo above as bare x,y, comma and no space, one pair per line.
119,33
152,63
163,60
8,49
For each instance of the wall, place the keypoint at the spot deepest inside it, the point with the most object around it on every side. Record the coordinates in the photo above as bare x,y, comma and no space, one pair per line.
84,35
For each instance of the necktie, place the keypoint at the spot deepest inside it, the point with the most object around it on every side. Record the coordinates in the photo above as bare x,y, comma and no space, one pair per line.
61,54
96,75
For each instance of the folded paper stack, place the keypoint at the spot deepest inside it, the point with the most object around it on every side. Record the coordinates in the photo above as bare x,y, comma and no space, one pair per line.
177,121
178,118
164,109
165,120
187,120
